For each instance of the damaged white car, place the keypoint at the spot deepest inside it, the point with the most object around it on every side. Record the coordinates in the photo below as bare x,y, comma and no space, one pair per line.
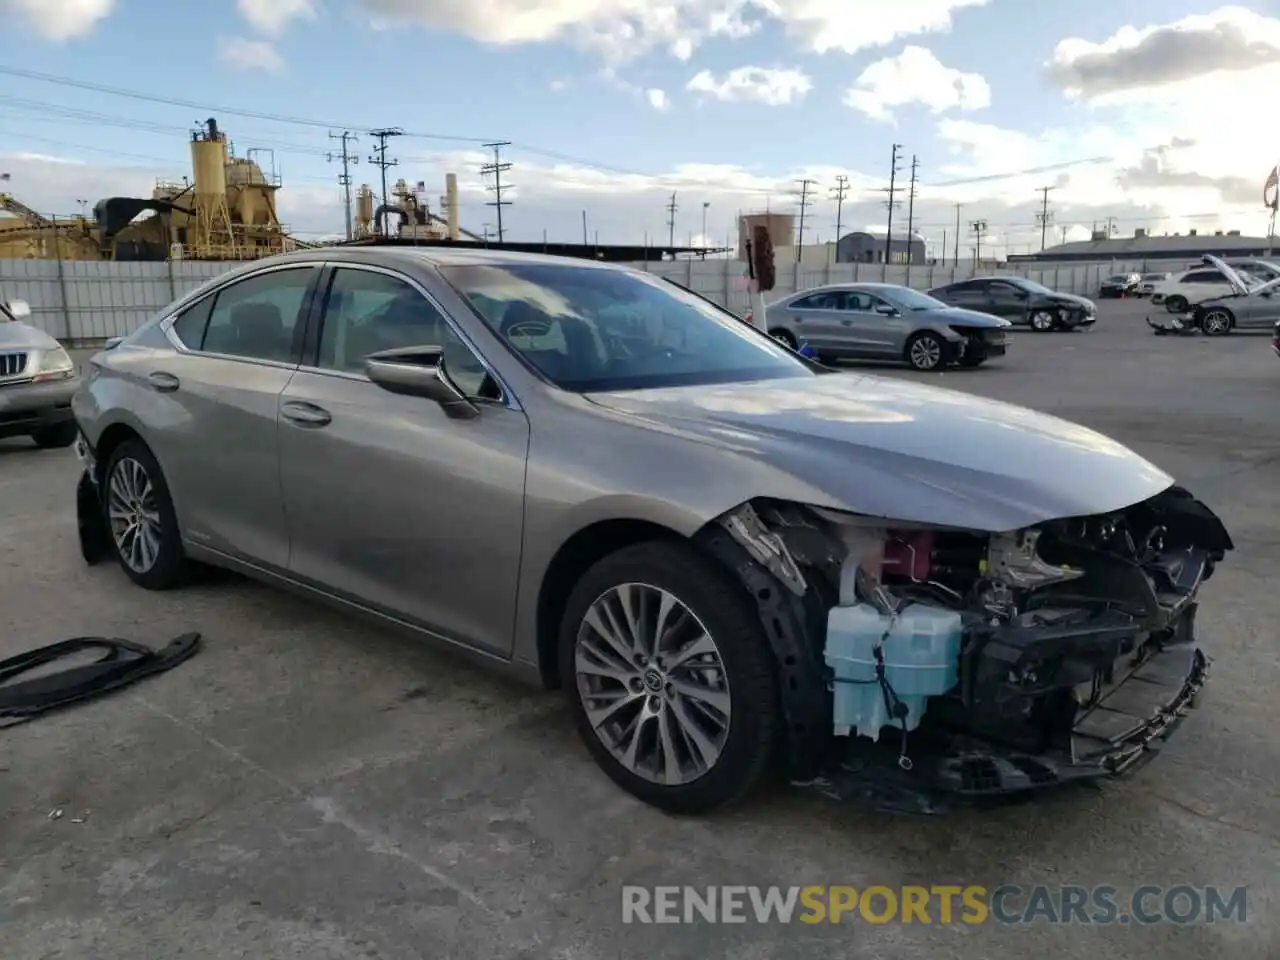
1250,302
725,554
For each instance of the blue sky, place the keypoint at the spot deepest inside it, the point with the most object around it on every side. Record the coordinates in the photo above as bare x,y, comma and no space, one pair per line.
578,98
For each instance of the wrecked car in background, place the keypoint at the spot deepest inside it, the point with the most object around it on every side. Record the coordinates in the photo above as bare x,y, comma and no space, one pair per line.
722,552
1252,303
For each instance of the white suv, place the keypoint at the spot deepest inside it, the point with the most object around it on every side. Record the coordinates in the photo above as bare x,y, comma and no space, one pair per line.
1183,290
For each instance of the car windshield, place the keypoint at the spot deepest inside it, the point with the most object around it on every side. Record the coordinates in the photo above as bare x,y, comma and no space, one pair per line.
909,299
1119,278
590,329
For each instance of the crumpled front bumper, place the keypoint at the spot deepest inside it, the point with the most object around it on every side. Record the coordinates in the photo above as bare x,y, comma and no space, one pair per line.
1173,323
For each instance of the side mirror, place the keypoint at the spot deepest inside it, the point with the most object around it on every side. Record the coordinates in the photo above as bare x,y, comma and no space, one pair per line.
886,311
112,343
18,309
419,372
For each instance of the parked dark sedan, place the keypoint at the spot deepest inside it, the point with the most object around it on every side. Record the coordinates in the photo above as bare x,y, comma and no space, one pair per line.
1020,300
1120,285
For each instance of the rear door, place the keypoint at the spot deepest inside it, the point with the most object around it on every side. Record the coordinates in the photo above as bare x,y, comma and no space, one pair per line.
214,424
1005,299
816,319
969,294
390,502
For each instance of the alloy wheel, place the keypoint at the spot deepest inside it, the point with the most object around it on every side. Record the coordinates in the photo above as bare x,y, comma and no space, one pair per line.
133,513
1215,322
653,684
926,353
1041,321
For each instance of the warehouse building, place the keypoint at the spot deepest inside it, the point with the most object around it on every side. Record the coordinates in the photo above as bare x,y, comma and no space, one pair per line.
1145,246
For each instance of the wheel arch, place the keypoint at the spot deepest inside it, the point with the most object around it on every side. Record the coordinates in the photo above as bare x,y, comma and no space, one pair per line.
576,555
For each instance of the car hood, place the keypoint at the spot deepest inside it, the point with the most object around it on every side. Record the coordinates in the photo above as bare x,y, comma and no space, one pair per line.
906,451
16,335
958,315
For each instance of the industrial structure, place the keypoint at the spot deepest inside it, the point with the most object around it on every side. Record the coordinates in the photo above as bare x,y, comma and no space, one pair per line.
1146,246
414,219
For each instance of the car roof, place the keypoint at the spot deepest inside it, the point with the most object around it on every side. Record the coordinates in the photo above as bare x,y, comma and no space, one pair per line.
437,256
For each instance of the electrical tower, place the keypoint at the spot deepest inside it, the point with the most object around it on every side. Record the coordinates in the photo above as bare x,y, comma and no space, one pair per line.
911,210
979,228
804,202
839,191
671,221
379,159
497,169
344,178
1044,217
892,190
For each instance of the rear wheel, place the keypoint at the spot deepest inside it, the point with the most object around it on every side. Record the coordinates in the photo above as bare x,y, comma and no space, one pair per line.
925,351
1216,322
140,516
784,337
58,435
669,676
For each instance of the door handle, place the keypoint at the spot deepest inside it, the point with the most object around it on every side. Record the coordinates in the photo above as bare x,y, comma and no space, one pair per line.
305,414
162,382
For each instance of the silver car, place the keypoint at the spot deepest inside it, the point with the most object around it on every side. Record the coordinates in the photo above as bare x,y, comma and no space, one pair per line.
884,321
725,554
37,381
1253,308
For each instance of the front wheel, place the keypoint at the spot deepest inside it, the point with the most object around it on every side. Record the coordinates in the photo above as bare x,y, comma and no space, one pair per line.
1042,321
140,516
669,676
925,351
1216,323
1176,304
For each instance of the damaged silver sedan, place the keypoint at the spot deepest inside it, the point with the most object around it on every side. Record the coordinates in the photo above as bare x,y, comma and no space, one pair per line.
730,558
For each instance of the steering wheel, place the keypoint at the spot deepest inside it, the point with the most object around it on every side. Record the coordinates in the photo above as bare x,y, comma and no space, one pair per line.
527,328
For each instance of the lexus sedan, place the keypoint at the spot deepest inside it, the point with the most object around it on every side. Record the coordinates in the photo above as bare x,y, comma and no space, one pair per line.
731,559
884,321
1021,301
37,381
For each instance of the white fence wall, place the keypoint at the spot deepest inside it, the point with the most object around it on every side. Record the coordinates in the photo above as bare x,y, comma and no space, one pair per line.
81,301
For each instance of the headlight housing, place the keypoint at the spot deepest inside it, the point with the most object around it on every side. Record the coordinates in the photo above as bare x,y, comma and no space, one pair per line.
55,364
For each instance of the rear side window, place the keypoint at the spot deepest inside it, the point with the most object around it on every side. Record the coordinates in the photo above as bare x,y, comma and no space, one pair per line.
191,323
256,318
1205,276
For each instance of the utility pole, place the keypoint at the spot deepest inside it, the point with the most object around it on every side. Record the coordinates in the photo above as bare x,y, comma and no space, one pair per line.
1044,217
805,184
894,168
497,168
706,205
1111,226
911,212
979,227
955,260
838,191
344,178
379,159
671,222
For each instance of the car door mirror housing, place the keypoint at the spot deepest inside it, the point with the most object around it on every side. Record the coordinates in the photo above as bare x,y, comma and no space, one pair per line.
886,311
18,309
419,372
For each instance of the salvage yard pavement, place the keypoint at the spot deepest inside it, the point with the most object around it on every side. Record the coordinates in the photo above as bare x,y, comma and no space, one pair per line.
310,787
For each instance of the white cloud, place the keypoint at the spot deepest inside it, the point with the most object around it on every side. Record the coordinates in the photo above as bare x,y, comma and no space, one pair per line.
244,54
774,87
272,16
916,76
59,20
1137,60
624,29
657,99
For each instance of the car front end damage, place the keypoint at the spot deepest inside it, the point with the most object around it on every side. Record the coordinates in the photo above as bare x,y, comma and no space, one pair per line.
977,344
921,667
1066,314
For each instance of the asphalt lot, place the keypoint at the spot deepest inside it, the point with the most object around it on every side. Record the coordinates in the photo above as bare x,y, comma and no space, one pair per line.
308,787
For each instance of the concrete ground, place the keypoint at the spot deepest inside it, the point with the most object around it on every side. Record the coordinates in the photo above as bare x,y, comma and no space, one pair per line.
308,787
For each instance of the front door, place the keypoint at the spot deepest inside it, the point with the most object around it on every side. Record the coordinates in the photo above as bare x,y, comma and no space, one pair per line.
876,326
390,502
216,402
1005,299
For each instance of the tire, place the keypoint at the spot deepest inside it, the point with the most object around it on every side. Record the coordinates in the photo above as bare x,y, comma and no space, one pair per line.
1042,321
132,472
748,735
1176,304
785,337
925,351
56,436
1217,322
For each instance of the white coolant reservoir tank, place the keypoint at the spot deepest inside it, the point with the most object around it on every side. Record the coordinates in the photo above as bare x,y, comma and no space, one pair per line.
920,650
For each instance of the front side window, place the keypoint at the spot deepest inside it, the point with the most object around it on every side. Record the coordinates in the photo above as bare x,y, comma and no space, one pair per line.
256,318
366,312
587,328
909,299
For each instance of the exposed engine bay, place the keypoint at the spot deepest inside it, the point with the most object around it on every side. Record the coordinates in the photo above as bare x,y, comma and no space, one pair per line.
980,663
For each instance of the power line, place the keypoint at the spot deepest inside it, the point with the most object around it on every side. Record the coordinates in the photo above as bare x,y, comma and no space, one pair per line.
671,221
804,202
1044,217
497,169
344,178
379,160
894,168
